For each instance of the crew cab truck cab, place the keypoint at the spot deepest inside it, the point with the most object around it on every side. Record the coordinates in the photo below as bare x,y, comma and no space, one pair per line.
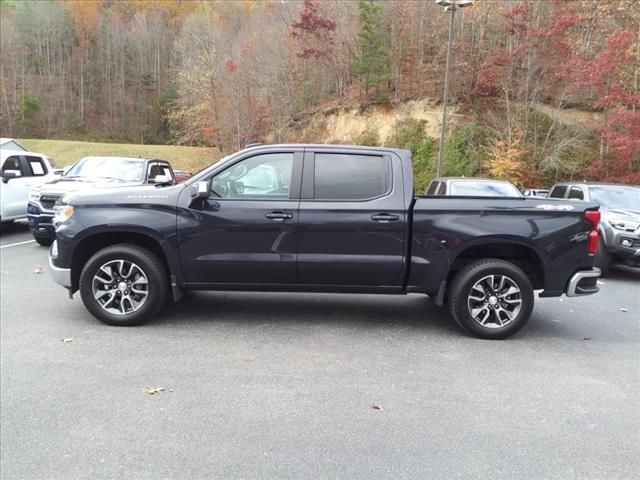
321,218
88,174
20,172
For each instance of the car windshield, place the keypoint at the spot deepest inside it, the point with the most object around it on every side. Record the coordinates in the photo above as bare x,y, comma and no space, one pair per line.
627,198
123,169
481,188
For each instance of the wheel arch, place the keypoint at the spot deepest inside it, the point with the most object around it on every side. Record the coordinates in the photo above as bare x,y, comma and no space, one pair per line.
520,254
96,241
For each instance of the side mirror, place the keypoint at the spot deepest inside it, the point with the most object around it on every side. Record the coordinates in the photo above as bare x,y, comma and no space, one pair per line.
161,180
9,174
200,190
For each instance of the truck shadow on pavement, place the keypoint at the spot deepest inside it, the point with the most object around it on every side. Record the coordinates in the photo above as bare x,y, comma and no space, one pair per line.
14,227
412,311
623,272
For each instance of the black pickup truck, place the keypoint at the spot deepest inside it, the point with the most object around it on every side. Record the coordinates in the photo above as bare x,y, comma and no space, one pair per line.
321,218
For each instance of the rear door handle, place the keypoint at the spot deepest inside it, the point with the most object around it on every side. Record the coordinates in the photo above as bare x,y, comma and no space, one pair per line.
279,216
385,218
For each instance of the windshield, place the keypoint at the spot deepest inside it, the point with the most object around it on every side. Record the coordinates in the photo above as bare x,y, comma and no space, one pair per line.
123,169
626,198
484,188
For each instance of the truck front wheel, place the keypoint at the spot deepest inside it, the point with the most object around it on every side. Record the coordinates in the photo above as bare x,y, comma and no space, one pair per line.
123,285
491,298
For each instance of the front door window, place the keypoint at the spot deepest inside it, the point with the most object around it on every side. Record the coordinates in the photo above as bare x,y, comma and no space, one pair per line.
265,177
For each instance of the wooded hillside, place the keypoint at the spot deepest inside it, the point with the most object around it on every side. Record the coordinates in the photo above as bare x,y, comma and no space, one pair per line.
221,73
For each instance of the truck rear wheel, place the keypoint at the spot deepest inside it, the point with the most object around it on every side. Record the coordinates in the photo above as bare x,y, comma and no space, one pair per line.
124,285
491,298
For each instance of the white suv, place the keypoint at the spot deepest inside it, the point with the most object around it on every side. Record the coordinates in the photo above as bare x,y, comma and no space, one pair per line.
20,172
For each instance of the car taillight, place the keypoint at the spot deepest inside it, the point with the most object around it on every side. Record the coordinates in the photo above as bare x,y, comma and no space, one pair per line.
593,217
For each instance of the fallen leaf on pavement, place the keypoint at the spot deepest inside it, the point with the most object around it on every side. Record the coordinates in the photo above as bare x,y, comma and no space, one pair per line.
38,269
67,339
377,406
586,338
153,390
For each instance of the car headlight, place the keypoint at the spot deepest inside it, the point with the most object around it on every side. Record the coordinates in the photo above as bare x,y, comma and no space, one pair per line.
34,195
623,224
61,213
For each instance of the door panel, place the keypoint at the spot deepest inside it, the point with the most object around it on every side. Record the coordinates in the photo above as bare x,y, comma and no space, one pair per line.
354,241
15,192
246,232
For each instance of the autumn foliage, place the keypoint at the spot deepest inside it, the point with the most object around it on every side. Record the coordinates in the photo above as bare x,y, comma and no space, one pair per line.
551,89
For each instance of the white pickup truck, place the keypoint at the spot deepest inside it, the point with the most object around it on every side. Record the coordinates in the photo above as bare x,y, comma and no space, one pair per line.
20,172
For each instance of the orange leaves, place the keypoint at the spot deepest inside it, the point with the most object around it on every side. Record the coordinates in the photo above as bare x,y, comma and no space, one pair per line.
85,15
506,161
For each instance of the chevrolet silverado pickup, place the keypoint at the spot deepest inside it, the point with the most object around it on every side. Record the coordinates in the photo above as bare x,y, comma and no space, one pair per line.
321,218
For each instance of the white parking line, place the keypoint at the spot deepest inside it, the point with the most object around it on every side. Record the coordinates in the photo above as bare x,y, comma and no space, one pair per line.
16,244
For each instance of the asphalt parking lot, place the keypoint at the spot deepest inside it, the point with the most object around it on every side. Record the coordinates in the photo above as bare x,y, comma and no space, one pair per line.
281,386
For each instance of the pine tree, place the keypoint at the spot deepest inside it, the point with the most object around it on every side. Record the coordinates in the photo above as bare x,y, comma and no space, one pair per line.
373,66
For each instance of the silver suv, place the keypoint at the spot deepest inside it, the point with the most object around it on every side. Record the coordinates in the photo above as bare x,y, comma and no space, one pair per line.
620,221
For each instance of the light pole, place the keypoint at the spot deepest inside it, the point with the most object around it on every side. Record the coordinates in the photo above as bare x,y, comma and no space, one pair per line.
449,6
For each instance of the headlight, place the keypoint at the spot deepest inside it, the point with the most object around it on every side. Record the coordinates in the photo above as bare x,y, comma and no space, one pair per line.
623,224
34,195
61,213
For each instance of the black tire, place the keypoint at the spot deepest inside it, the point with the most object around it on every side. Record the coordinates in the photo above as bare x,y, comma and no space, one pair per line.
157,284
44,241
501,319
603,259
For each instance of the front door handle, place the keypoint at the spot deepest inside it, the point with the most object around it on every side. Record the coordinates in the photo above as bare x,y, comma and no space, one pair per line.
385,218
278,216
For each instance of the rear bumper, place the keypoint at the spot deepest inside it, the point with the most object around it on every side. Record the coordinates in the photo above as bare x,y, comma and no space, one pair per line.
583,283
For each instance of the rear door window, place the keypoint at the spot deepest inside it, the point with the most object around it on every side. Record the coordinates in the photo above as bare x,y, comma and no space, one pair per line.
576,193
433,187
36,166
558,192
351,177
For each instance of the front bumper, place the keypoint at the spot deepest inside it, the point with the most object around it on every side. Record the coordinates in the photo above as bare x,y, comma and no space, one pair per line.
623,244
62,276
40,223
584,282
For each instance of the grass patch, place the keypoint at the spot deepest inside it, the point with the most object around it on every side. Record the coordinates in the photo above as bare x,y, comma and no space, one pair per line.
67,152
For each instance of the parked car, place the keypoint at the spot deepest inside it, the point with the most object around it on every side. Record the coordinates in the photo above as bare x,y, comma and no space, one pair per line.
12,144
536,192
620,221
20,171
472,187
89,174
182,175
325,218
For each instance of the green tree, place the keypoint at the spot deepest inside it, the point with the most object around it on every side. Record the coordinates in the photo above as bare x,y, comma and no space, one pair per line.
28,112
373,66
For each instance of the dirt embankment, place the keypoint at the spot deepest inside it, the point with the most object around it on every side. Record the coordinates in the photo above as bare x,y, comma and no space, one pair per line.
347,125
355,125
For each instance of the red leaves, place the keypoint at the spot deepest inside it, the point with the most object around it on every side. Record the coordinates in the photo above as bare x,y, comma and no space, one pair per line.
230,65
313,30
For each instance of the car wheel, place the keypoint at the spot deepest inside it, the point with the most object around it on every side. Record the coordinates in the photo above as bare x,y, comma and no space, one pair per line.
603,259
44,241
491,298
124,285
